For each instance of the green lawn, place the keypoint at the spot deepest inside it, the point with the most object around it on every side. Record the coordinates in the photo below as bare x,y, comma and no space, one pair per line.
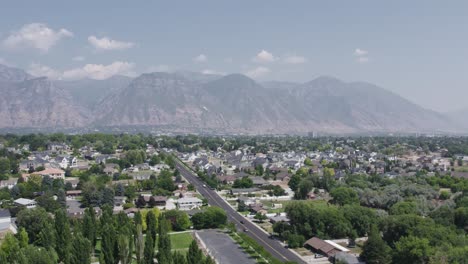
181,241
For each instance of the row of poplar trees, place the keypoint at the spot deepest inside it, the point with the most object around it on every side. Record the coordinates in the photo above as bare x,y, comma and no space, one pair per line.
70,241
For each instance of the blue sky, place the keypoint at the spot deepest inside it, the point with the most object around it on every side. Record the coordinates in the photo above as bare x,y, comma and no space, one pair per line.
418,49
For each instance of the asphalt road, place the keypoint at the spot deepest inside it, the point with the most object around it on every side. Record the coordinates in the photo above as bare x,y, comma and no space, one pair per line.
272,246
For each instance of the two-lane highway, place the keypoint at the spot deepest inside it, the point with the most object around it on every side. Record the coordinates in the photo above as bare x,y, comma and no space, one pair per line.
270,245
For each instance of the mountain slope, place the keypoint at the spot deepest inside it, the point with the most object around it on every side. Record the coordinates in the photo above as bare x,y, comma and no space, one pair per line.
37,103
89,92
191,102
236,103
9,74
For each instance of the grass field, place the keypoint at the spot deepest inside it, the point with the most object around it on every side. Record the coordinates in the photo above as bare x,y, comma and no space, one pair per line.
181,241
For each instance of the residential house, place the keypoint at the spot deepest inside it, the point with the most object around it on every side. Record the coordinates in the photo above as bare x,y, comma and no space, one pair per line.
28,203
259,181
10,183
57,147
111,168
66,162
189,203
53,173
278,218
6,226
324,247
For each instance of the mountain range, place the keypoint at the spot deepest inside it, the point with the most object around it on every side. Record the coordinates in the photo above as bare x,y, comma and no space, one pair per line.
192,102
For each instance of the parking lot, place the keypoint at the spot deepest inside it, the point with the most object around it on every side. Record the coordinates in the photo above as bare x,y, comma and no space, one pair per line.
223,249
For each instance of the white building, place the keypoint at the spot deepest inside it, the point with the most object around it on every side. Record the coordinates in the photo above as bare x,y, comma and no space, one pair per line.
189,203
25,202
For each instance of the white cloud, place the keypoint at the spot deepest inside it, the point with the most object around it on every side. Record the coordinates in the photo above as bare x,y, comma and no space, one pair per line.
363,59
92,71
35,35
360,52
263,57
362,56
258,72
100,71
40,70
200,58
294,59
106,43
208,71
78,58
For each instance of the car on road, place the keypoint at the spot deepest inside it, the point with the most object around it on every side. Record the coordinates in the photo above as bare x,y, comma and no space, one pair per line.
242,221
246,230
204,185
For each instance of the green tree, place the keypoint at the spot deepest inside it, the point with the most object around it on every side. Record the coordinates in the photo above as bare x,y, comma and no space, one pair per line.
62,230
89,225
178,258
151,225
461,218
179,219
23,238
47,237
149,250
403,208
107,197
124,248
80,250
194,254
10,248
139,243
209,260
5,166
294,182
375,250
303,189
107,243
260,217
344,195
412,250
37,255
33,220
244,182
164,255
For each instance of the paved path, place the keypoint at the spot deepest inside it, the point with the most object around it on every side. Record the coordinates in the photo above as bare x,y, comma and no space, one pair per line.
223,249
274,247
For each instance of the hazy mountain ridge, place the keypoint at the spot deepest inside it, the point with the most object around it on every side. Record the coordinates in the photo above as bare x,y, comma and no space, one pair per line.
192,102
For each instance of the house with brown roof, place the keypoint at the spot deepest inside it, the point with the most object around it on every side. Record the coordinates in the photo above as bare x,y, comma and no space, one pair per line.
51,172
324,247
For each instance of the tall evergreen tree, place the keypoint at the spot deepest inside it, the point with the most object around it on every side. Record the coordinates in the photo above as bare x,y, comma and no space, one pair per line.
149,250
89,225
178,258
151,224
194,254
375,250
108,243
81,250
125,250
139,243
209,260
137,218
164,255
47,237
62,230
